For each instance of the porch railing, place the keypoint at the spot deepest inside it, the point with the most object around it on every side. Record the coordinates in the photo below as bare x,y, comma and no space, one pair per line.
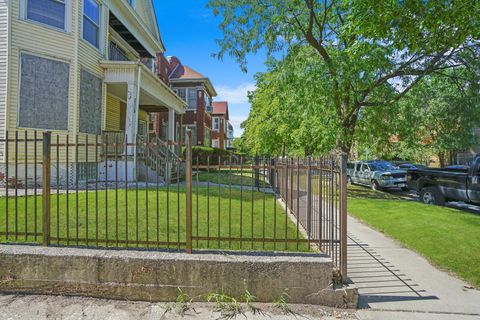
217,203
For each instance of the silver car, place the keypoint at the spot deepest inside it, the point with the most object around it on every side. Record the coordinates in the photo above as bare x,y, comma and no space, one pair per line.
377,174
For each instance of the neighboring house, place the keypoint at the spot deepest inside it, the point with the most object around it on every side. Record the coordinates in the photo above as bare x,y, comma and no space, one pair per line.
220,124
82,68
197,91
230,136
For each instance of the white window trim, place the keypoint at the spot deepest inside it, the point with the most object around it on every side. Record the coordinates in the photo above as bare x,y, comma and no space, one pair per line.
187,93
101,38
67,28
213,124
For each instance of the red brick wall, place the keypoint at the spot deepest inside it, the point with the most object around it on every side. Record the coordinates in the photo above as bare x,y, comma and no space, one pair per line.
200,118
174,62
163,68
220,135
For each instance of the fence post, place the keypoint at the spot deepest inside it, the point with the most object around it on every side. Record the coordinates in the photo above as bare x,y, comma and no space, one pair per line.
343,217
257,172
46,170
188,182
309,197
272,178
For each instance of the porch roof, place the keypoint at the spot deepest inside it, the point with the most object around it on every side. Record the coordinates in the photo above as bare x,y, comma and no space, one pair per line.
153,91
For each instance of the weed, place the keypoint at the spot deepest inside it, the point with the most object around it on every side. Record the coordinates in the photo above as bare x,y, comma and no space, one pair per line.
281,303
182,304
229,307
249,299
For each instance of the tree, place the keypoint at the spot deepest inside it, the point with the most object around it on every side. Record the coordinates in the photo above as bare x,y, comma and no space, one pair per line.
284,117
366,46
435,118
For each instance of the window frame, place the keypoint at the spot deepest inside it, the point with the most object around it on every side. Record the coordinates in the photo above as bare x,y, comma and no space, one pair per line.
216,128
19,90
100,25
188,99
67,28
177,91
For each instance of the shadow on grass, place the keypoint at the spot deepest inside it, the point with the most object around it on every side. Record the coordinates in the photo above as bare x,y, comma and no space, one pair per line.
360,192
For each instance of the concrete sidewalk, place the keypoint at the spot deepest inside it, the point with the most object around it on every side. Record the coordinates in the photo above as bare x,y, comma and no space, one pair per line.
40,307
397,283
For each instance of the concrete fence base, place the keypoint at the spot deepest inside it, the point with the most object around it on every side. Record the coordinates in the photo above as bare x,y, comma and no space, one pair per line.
158,276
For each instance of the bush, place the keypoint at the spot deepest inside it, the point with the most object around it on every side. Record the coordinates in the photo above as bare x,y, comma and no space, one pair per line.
204,153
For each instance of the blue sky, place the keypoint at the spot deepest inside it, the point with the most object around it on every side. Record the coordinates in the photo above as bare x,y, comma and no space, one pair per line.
189,31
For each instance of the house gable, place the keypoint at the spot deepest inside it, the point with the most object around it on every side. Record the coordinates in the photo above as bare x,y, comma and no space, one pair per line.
146,12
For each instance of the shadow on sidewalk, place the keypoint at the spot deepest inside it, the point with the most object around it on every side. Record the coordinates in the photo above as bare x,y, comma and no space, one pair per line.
377,279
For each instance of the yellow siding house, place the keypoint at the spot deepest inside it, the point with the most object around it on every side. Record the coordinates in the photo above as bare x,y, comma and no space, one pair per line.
82,68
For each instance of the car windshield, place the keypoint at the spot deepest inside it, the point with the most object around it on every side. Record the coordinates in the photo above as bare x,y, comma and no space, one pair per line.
381,166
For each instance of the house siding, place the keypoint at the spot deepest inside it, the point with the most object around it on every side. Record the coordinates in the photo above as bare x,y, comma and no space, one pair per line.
112,113
4,47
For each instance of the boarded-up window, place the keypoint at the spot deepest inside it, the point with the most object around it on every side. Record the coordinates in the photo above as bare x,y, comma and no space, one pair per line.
44,87
90,103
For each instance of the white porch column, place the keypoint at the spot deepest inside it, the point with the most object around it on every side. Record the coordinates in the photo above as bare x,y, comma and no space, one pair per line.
131,123
171,127
131,118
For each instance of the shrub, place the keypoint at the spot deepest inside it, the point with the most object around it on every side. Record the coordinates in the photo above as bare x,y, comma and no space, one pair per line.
204,153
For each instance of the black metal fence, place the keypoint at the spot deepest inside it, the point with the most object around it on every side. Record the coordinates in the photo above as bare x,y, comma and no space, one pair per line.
111,192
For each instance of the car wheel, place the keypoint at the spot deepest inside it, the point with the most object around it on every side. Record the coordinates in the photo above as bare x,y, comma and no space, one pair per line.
432,196
376,186
405,188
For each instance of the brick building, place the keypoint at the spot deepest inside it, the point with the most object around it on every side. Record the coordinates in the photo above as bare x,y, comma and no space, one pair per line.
220,124
197,91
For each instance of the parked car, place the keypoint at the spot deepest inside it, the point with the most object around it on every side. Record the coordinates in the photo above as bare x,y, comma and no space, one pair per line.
407,166
459,168
437,186
377,174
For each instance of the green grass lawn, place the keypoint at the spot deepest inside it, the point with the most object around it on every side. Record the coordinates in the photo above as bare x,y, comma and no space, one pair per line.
227,177
216,215
449,238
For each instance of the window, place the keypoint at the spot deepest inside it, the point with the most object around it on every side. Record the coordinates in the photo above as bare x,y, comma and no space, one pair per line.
208,102
216,123
90,103
91,22
150,64
215,143
358,166
192,99
49,12
87,171
182,93
44,87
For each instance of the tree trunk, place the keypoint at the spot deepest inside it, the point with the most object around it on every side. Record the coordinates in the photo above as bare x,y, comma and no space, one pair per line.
441,158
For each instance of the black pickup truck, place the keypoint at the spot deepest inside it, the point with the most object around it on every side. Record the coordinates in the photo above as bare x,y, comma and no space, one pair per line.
437,186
